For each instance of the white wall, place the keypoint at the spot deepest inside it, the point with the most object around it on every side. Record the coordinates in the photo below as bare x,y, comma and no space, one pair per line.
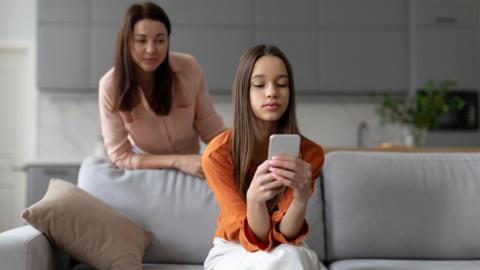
17,19
17,31
18,91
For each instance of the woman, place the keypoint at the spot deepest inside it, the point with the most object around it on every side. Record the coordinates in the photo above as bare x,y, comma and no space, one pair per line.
154,104
262,202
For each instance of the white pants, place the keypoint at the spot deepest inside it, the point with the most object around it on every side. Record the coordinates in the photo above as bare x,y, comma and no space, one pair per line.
226,255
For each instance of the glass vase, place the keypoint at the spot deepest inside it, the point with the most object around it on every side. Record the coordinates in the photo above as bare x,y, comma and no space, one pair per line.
414,136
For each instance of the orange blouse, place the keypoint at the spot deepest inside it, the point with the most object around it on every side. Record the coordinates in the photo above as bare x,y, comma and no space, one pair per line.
232,220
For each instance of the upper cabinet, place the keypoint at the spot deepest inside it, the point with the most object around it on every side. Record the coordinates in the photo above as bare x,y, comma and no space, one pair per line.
447,42
385,14
63,44
292,29
447,12
215,32
334,46
363,46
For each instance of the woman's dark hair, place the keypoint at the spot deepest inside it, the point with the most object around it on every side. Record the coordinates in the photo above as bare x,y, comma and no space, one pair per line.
245,125
124,80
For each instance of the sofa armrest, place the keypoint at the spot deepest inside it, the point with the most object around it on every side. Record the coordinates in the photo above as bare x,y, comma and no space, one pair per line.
25,248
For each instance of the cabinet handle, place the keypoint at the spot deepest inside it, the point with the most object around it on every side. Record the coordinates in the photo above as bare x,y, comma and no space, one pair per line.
446,20
51,172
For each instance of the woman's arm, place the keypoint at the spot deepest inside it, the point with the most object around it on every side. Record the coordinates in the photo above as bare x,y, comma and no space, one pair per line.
187,163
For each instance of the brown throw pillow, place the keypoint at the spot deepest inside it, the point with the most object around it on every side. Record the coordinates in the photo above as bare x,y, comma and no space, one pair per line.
88,229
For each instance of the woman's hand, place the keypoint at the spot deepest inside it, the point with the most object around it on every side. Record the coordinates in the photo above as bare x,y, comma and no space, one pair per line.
264,186
190,164
292,172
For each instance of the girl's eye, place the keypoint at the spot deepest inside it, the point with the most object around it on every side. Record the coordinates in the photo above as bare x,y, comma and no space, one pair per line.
161,40
140,40
258,85
282,84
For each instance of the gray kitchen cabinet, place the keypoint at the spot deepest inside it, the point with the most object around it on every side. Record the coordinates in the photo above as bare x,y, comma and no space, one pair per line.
217,51
447,42
447,12
364,61
62,62
365,13
215,32
282,14
39,175
335,46
63,45
300,48
62,11
363,46
208,13
446,54
102,52
292,29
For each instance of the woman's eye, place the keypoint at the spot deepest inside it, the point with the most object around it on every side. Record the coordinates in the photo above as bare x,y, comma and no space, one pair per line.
282,84
258,85
161,40
140,40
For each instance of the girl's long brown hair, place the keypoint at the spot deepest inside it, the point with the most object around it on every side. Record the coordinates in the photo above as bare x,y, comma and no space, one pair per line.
245,128
124,80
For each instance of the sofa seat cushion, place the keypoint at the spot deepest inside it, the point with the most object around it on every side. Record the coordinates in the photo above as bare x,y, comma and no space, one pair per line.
153,267
404,265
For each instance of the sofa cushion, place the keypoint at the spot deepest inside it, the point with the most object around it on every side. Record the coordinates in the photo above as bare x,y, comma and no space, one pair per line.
153,267
315,238
87,229
178,208
402,205
403,265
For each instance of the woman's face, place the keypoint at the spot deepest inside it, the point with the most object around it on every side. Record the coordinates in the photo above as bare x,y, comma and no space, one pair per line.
149,45
269,88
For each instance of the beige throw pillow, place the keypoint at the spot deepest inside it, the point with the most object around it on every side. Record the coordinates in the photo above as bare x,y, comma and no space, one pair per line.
88,229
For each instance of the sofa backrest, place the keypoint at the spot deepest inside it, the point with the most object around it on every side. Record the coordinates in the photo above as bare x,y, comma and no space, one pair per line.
402,205
178,208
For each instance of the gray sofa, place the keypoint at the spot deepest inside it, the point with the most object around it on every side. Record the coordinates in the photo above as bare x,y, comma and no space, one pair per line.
371,210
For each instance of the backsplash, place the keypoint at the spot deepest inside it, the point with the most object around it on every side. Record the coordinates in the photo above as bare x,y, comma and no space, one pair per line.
69,125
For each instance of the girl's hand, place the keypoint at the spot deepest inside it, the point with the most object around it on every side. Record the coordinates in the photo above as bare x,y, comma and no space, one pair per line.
264,185
293,172
190,164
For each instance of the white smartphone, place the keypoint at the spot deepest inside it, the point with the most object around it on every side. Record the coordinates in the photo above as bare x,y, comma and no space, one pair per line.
284,144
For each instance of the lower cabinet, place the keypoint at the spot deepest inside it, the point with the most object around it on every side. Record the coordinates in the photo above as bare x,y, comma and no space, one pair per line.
39,175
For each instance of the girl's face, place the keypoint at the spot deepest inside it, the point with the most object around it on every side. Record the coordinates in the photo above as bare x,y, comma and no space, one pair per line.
149,45
269,88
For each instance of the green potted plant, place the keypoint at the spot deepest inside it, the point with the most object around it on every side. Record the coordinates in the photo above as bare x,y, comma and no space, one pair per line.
420,112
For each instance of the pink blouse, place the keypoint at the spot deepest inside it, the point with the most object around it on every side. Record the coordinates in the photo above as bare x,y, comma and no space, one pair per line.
192,116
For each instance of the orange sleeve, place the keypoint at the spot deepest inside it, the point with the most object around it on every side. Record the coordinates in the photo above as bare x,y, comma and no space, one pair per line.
279,237
218,169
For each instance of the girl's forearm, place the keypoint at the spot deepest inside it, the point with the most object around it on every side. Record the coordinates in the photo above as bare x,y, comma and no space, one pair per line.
293,220
258,219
